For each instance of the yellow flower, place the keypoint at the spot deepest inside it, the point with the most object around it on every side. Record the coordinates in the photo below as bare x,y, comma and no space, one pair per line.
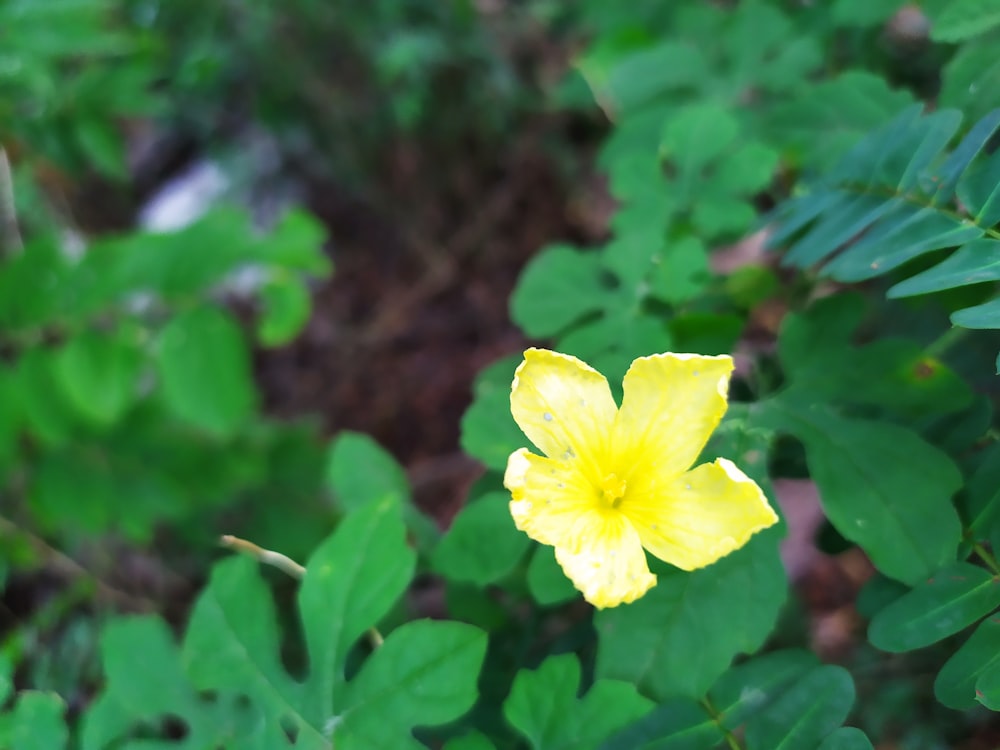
616,480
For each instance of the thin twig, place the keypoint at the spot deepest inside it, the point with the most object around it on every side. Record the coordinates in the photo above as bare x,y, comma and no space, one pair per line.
67,567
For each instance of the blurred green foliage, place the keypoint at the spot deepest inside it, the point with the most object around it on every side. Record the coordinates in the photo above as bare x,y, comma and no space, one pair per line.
130,419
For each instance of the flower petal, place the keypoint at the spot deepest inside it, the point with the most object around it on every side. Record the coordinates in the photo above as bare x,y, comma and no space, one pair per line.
563,405
693,520
609,567
671,405
549,498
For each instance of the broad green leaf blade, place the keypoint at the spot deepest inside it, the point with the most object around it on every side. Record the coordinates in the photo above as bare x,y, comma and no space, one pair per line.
98,375
831,116
846,738
745,690
543,706
955,685
541,702
482,545
205,370
975,263
962,19
232,645
953,599
970,80
471,741
816,349
424,674
360,471
805,714
286,305
352,580
546,580
489,432
679,637
988,687
559,286
35,723
677,724
986,315
881,485
145,682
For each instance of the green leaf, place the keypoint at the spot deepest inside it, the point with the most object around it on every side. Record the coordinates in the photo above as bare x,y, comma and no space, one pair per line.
360,471
953,599
881,485
846,738
204,366
970,81
681,272
745,690
679,637
817,352
286,307
805,714
46,412
559,286
697,135
546,581
988,687
482,545
961,19
35,722
98,374
424,674
543,706
986,315
864,12
643,76
145,682
979,190
471,741
102,146
824,121
489,432
676,724
975,263
955,685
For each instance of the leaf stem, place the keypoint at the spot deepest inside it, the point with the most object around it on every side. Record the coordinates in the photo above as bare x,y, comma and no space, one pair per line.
945,341
715,716
987,557
283,563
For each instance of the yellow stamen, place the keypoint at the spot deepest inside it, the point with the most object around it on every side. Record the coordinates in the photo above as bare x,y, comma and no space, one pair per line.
612,489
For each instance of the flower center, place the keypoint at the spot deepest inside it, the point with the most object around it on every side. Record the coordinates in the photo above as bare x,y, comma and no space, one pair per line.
612,490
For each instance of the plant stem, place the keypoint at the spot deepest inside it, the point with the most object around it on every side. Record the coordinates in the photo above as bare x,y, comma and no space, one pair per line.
945,341
66,566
